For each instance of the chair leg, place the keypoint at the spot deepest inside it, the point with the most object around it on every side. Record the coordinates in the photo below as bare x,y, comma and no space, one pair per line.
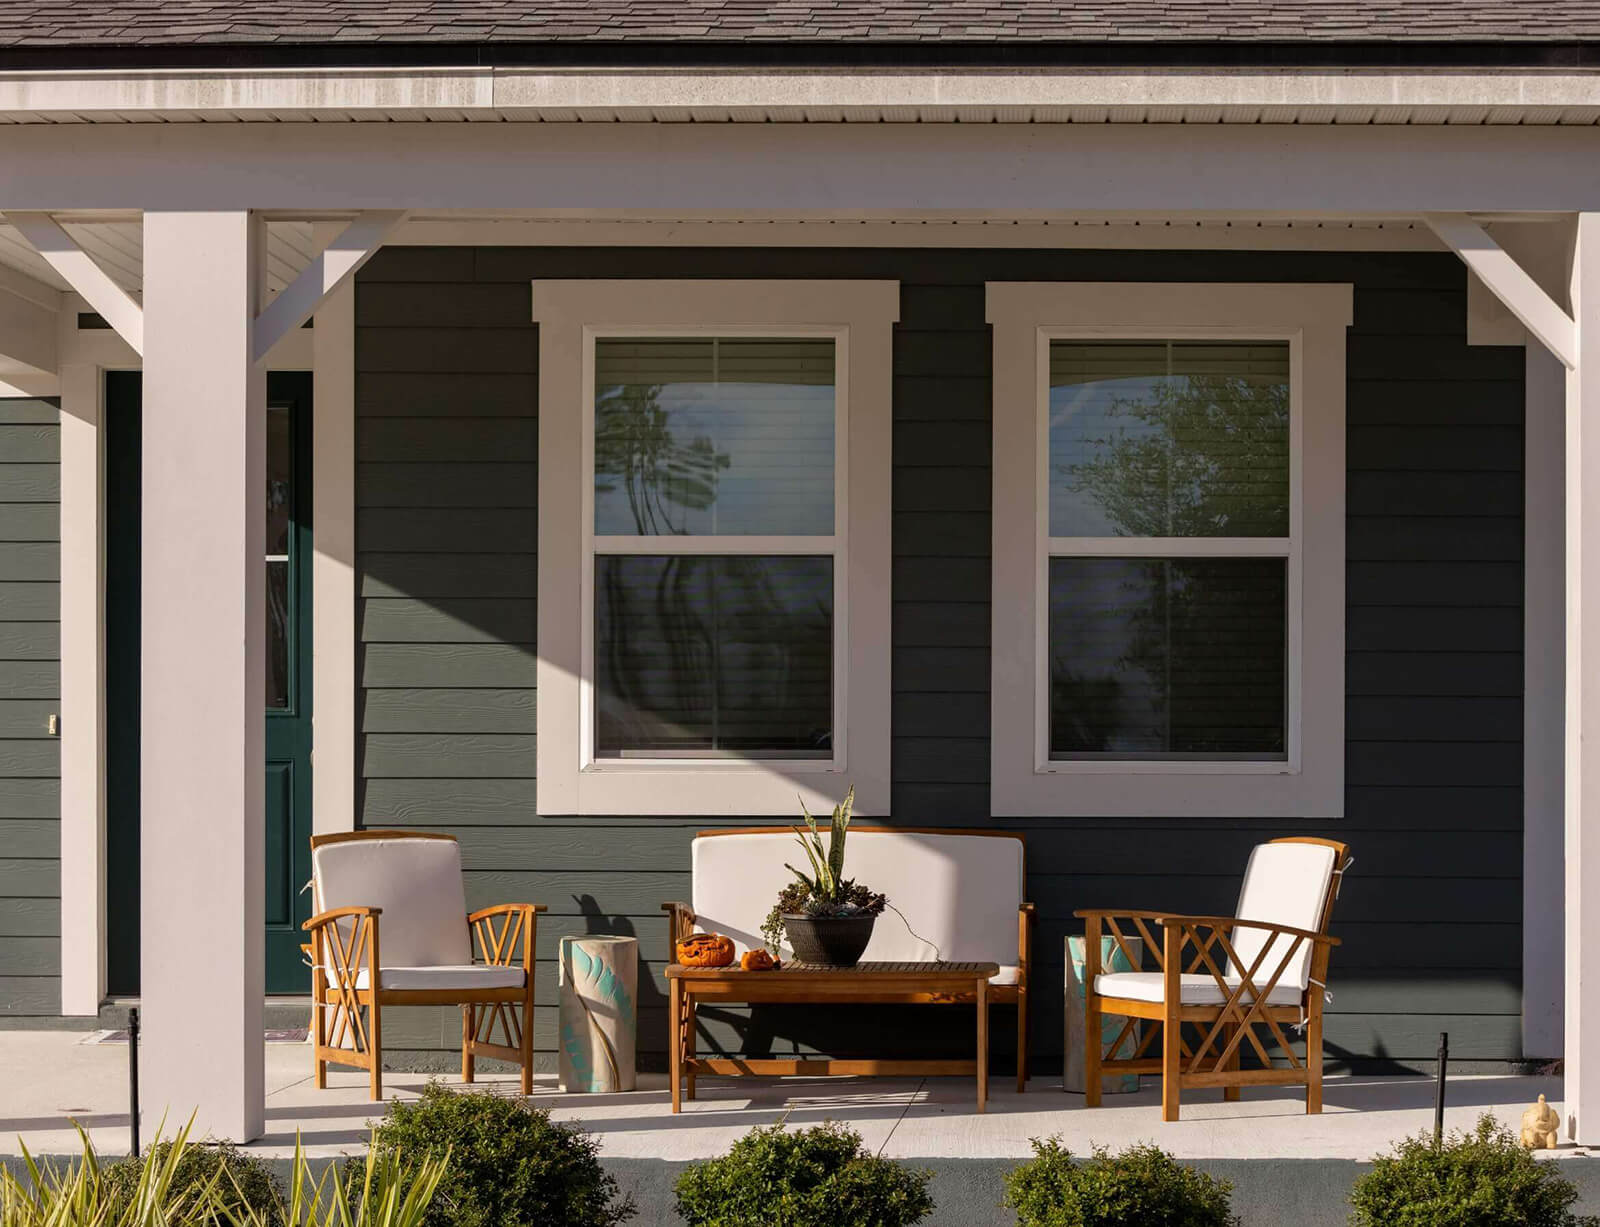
1171,1067
375,1050
527,1040
469,1060
1092,1046
319,1037
1314,1062
1022,1040
675,1041
688,1046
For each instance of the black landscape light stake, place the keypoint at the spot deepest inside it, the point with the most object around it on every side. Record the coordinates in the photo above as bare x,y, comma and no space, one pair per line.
1438,1098
133,1083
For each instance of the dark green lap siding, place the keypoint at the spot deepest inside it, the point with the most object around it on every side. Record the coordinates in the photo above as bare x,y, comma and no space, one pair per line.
30,693
447,455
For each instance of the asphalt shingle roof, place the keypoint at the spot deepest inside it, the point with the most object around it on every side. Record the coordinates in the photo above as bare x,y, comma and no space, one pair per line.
154,23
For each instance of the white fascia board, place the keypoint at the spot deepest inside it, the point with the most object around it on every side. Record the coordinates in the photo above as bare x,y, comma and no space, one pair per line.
603,93
872,170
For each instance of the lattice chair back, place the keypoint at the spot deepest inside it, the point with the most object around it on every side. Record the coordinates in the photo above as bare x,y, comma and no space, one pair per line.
1286,883
416,880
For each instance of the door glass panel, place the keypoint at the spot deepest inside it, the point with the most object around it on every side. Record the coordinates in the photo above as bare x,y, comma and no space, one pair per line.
280,494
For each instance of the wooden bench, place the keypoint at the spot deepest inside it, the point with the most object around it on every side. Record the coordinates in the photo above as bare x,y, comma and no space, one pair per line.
960,898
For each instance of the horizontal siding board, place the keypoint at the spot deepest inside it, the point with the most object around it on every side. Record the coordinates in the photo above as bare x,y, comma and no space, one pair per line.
22,411
461,576
1403,718
443,620
30,561
30,798
30,442
442,348
449,530
29,483
30,956
1439,402
442,440
30,877
29,602
31,837
31,521
1434,674
466,393
1462,629
30,641
30,996
27,917
446,756
1429,584
454,484
410,665
22,759
446,803
448,711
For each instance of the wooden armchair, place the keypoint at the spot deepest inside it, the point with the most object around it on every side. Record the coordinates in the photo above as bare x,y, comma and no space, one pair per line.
1226,978
405,888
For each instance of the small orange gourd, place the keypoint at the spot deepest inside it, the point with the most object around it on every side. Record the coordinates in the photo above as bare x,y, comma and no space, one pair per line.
757,960
705,950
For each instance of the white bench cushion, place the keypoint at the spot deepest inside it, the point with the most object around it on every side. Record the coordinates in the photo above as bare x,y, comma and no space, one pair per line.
959,893
417,883
1196,990
468,976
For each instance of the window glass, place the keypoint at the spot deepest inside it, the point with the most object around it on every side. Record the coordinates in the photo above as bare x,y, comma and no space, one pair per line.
717,436
1168,658
713,656
1169,439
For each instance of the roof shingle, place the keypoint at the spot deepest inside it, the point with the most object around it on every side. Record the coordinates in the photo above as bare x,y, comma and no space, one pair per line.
87,23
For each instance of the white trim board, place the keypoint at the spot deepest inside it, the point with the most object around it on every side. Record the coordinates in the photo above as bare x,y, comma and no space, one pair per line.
860,315
612,94
1025,317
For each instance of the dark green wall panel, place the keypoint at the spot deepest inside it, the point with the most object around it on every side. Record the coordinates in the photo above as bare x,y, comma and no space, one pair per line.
30,687
447,474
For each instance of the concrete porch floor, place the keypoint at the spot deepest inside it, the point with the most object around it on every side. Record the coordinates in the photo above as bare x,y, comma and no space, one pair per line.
50,1078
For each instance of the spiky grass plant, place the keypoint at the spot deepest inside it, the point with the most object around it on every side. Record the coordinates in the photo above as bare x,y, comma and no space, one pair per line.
825,891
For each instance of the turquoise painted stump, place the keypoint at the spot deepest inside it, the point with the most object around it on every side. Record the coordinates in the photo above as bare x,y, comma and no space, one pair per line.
599,1017
1111,959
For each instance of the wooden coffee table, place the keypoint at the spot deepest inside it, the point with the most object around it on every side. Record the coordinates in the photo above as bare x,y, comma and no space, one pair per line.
805,984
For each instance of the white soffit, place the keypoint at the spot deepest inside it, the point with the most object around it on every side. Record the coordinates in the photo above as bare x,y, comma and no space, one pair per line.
1078,96
117,246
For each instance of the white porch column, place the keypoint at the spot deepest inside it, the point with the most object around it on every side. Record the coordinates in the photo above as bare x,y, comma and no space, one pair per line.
1582,1089
202,675
83,894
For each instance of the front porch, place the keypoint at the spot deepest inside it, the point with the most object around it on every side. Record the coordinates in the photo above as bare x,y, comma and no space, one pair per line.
1287,1167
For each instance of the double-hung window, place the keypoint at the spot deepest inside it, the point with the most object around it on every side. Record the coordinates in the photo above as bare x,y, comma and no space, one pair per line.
718,453
1168,576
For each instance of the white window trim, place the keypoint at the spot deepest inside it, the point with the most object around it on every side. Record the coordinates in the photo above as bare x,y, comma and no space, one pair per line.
1024,781
860,316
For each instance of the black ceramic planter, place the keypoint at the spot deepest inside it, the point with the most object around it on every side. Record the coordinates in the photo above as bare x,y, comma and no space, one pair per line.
836,941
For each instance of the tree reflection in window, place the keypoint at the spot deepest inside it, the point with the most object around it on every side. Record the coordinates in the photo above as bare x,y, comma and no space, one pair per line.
1177,656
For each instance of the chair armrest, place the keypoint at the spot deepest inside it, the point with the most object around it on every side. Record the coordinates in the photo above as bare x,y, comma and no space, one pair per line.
1117,913
680,922
1236,922
498,943
1025,919
340,913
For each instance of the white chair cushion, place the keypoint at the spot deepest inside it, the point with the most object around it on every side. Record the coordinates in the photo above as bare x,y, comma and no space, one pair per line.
1196,990
959,893
468,976
1008,974
1284,884
417,883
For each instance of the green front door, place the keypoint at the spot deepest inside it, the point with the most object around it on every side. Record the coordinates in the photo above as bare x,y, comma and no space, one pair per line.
288,717
288,677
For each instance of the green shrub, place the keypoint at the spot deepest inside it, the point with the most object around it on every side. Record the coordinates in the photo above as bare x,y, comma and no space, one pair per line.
1479,1179
819,1177
242,1184
1142,1185
510,1166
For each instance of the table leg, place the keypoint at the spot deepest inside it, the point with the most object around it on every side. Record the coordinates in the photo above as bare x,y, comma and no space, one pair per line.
983,1043
688,1045
675,1041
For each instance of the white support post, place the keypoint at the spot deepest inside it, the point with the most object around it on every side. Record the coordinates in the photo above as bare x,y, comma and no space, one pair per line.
333,570
1582,1038
203,839
1509,281
114,303
83,893
329,269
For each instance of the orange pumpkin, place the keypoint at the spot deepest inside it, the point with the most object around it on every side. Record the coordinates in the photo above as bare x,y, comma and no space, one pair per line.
757,960
705,950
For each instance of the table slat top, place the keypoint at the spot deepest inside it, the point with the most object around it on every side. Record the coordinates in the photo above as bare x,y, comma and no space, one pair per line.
861,971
